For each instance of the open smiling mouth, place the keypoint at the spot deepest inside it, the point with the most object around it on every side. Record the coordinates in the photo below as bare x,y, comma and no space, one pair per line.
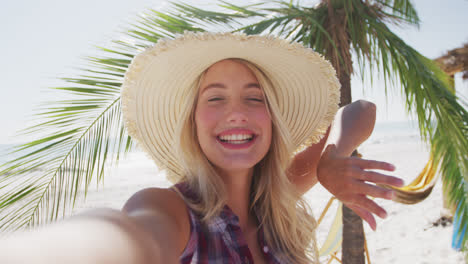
236,139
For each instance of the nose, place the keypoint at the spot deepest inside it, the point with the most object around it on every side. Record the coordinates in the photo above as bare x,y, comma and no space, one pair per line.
237,113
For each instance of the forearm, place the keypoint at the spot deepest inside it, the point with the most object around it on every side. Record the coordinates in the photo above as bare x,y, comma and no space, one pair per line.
104,236
352,125
302,171
348,178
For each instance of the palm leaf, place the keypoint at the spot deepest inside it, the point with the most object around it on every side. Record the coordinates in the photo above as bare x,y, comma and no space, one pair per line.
443,121
80,137
442,117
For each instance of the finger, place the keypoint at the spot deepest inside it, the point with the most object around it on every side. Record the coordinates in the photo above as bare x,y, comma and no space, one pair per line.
375,177
365,215
373,164
373,190
369,205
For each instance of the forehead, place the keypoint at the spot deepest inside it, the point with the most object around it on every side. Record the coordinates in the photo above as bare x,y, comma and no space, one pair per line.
229,72
229,68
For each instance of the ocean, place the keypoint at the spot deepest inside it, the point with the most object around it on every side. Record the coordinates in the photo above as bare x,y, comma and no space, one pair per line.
400,131
388,132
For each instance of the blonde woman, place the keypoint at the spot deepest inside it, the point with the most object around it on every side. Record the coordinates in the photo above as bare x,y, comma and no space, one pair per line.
239,123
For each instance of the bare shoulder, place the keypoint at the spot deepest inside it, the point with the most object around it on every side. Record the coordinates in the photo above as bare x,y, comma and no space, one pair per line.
161,212
156,198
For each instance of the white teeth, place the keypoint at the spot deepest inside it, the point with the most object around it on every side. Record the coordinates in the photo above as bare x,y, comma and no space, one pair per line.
238,142
236,137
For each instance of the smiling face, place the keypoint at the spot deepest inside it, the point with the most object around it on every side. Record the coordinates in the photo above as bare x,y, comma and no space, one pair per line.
232,121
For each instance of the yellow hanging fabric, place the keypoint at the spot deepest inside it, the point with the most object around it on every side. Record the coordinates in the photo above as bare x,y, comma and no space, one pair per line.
332,243
335,235
420,188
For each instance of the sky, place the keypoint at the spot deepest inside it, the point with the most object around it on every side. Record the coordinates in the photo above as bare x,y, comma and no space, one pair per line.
42,41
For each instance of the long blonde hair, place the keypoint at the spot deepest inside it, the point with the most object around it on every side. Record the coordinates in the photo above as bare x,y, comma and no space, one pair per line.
288,225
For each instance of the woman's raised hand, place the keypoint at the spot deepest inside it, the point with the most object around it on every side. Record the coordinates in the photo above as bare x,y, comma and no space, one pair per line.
351,180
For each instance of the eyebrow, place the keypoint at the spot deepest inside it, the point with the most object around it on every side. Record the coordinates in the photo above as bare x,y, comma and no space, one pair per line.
222,86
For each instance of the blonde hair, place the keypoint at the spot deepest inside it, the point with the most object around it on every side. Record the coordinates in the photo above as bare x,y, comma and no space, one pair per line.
288,226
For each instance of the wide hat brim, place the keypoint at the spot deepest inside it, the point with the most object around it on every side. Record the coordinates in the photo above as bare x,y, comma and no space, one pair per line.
159,88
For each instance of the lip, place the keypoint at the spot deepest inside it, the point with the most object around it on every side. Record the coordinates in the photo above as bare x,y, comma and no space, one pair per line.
236,131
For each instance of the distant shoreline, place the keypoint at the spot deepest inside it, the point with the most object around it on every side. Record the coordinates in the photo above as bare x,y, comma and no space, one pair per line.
382,130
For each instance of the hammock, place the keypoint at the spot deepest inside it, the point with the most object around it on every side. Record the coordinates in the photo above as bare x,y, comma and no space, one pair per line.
335,234
332,243
419,189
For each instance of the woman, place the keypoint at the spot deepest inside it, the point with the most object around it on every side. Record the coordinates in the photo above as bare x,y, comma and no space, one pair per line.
241,134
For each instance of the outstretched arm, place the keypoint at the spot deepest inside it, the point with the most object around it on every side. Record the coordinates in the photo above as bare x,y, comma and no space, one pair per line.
152,228
352,125
98,236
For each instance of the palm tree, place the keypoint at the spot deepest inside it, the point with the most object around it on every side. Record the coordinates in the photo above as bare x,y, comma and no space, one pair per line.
80,138
340,28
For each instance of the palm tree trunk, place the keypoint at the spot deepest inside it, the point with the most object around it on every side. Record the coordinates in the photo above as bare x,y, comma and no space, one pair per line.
340,58
353,234
353,238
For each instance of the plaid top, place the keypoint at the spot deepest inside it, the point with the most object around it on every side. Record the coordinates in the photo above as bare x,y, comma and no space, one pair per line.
220,240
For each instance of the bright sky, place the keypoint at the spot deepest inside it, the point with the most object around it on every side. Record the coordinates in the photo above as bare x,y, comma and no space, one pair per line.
43,40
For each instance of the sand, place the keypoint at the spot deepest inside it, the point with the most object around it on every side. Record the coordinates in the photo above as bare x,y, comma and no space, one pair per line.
405,236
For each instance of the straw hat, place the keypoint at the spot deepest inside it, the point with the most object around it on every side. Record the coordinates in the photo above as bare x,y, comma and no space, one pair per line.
160,87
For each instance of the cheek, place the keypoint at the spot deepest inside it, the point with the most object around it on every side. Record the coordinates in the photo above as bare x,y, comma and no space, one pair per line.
264,120
205,120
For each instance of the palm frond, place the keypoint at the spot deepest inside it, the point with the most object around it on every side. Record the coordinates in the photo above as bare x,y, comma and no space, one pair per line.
443,121
48,177
78,138
398,11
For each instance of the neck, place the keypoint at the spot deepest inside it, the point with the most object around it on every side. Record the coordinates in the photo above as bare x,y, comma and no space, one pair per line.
238,185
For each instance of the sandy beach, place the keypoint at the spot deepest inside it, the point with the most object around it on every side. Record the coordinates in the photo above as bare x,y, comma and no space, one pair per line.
405,236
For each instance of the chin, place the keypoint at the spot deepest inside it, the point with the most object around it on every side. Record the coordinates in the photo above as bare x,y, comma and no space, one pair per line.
234,165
